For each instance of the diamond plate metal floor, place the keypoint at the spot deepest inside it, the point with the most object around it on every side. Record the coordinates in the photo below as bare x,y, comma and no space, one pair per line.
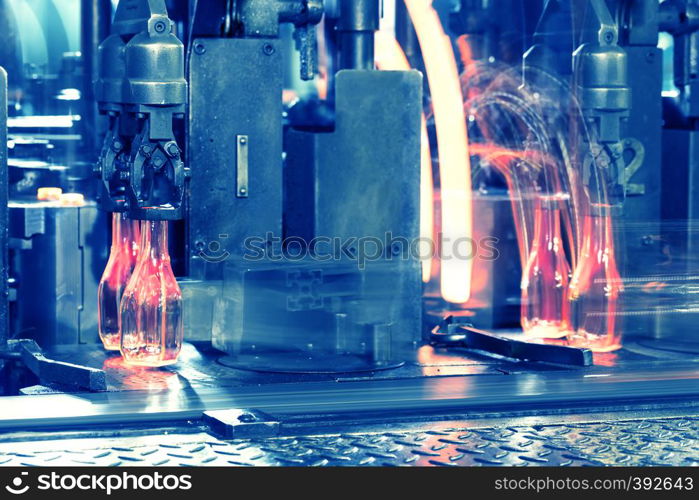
647,442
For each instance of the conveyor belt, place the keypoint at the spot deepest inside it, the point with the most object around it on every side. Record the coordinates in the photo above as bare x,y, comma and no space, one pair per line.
459,393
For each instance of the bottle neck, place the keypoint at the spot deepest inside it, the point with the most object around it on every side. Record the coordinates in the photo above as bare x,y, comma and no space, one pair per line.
598,230
547,228
125,234
154,239
598,241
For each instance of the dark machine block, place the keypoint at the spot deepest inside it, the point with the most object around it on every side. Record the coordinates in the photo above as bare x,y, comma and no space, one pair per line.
643,148
680,185
357,182
234,145
363,178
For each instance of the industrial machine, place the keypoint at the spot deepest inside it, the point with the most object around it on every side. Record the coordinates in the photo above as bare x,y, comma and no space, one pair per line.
380,213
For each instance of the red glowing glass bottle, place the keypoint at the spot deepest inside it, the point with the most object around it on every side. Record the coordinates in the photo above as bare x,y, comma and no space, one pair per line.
595,286
126,238
151,307
545,311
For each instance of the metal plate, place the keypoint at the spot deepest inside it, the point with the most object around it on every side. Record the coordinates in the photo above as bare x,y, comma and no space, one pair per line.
670,441
218,116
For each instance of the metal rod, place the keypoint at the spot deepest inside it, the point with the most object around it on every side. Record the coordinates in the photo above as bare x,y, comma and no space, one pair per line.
359,20
405,34
96,17
4,222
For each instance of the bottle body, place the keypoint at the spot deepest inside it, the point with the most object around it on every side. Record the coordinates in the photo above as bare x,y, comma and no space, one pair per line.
545,278
151,307
122,261
595,287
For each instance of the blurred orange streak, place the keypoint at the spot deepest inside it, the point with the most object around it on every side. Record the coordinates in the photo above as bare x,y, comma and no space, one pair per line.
465,51
452,141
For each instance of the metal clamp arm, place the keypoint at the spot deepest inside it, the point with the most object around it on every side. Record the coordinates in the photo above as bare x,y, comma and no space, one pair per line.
142,88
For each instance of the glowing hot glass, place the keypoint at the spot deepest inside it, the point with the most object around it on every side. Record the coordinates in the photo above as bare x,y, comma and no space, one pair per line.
545,311
595,287
151,308
126,237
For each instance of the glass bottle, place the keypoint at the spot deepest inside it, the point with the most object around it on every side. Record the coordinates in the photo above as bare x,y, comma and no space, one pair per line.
545,312
126,237
151,307
595,286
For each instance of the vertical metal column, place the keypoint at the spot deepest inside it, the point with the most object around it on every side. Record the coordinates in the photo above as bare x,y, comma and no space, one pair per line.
4,322
359,20
95,19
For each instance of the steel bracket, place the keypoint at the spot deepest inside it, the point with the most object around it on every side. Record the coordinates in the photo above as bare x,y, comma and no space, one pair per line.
50,371
241,423
452,333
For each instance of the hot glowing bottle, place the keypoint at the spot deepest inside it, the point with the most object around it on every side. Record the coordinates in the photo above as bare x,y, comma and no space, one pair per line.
151,307
595,287
126,237
545,311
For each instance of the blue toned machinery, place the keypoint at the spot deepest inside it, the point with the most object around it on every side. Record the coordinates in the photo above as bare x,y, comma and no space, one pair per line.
388,211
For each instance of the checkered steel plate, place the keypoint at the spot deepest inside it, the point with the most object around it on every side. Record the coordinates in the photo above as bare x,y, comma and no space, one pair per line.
671,441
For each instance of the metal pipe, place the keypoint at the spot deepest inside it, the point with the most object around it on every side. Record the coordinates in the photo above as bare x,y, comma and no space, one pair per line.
359,20
4,222
95,19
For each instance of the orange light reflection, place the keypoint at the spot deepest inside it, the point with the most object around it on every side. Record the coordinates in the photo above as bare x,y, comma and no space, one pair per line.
138,378
452,142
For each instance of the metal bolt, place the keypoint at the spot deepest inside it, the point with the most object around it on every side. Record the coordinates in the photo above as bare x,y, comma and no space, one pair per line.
172,149
199,48
242,190
157,161
199,245
160,26
243,140
608,37
247,417
146,150
116,145
268,49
